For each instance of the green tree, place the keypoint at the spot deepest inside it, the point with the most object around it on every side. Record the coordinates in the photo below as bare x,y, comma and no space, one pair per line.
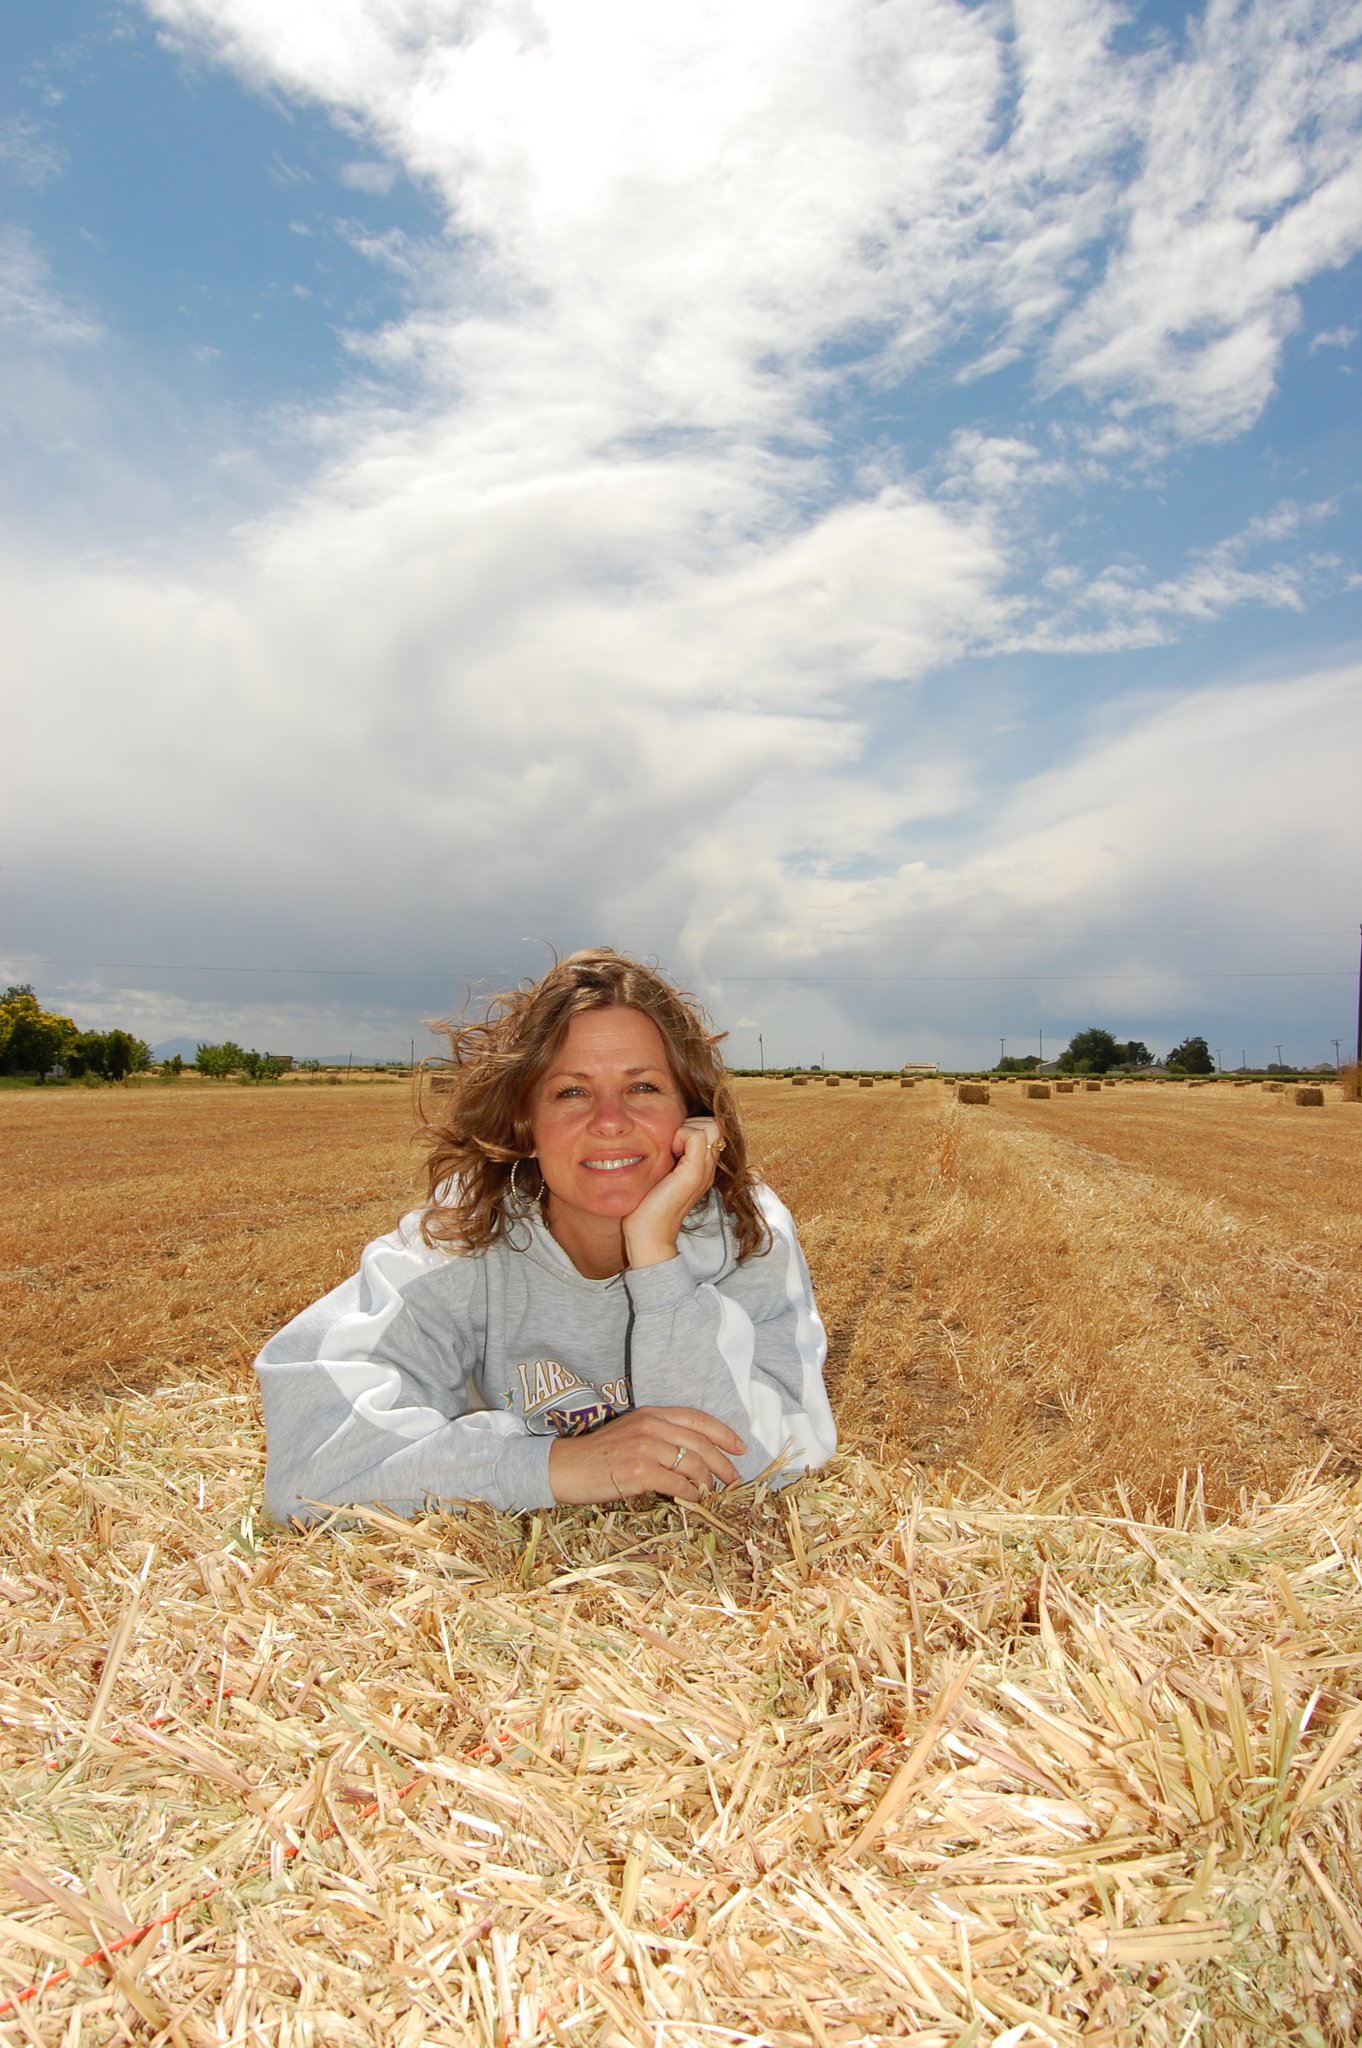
1193,1056
218,1061
32,1040
1027,1064
124,1055
1091,1052
1135,1053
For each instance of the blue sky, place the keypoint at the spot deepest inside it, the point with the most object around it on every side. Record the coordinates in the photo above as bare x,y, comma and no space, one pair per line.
857,502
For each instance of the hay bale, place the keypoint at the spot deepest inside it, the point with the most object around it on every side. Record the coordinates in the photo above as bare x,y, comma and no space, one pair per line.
1092,1087
1108,1084
1274,1087
322,1729
799,1081
834,1080
865,1082
971,1091
1037,1091
1310,1098
1064,1087
267,1755
904,1082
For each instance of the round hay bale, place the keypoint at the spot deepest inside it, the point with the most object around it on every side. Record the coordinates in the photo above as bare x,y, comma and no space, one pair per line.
1310,1098
1037,1091
971,1091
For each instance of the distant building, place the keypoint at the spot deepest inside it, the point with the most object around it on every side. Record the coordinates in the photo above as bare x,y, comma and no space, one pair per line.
920,1067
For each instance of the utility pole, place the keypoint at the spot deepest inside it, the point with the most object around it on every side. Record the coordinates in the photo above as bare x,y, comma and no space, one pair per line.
1336,1060
1279,1055
1359,999
761,1052
1243,1060
1002,1048
1218,1066
1042,1048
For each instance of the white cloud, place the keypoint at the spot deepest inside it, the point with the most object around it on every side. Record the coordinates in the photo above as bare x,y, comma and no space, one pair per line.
1249,185
31,307
367,175
579,608
30,154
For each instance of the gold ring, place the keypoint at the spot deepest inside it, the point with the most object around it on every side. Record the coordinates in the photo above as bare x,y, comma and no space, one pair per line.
678,1459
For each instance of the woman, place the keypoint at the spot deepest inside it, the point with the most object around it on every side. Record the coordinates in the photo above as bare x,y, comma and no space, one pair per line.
597,1301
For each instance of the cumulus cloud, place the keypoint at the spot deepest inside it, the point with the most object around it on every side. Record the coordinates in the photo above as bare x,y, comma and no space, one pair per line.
606,599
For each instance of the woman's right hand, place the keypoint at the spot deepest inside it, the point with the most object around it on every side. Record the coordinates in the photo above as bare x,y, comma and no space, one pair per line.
678,1451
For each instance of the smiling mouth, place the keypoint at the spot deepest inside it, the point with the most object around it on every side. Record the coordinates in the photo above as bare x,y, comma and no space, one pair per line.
612,1165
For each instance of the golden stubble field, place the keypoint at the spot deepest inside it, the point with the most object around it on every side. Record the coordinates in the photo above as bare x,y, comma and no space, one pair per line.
1093,1290
1036,1717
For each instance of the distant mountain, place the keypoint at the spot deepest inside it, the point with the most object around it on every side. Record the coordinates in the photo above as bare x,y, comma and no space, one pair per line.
185,1047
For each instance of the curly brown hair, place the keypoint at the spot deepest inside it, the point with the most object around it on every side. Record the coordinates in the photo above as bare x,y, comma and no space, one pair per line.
476,1111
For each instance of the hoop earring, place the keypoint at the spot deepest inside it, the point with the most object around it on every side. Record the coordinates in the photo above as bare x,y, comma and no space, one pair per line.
516,1165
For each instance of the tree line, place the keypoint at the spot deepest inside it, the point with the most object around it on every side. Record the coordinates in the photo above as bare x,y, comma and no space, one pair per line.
38,1041
1097,1052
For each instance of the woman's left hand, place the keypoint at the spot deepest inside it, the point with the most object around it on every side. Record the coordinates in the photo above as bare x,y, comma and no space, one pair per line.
650,1233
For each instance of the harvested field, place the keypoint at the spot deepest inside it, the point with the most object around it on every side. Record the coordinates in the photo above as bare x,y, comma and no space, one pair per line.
999,1730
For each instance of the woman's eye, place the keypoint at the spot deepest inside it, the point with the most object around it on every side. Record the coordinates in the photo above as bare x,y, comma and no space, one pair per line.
645,1088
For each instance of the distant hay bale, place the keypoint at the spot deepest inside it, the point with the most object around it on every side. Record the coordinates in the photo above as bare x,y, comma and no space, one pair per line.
1037,1091
1274,1087
1064,1087
1242,1084
865,1082
1196,1084
1108,1084
904,1082
799,1081
1092,1087
834,1080
971,1091
1310,1098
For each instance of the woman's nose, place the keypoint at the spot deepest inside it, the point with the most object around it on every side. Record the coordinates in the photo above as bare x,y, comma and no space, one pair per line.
611,1113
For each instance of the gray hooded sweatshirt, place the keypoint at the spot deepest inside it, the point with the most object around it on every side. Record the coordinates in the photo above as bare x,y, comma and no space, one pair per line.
432,1375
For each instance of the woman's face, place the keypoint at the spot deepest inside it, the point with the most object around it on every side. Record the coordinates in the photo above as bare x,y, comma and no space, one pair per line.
604,1116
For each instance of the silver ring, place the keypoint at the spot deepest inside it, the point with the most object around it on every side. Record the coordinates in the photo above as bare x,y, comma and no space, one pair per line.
679,1458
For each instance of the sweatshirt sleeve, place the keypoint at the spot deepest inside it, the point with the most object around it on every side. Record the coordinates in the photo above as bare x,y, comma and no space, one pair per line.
369,1396
747,1348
